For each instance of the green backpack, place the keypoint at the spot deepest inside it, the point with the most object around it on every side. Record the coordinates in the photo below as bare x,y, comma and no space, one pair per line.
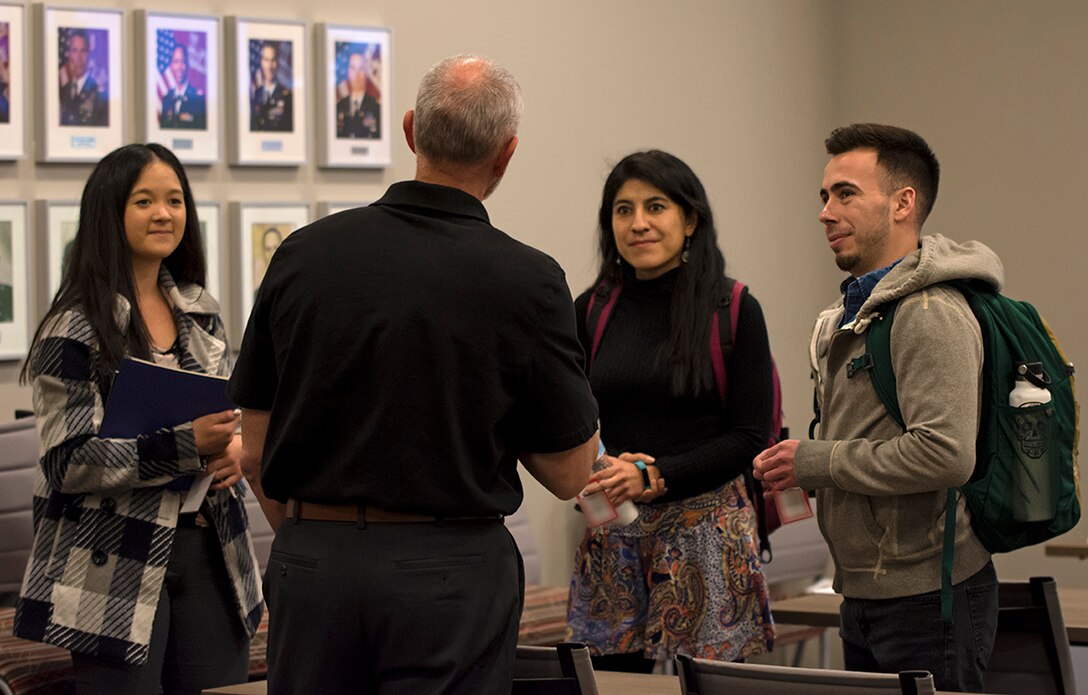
1025,488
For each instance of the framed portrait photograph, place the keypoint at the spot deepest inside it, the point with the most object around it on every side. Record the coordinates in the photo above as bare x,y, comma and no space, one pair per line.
211,240
82,94
331,208
355,97
14,281
269,96
60,220
261,228
12,82
178,98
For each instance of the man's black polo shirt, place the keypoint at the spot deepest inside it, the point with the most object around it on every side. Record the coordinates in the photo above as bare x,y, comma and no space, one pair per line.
408,352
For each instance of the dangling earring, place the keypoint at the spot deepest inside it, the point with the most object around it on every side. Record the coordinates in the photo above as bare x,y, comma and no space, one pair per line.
686,253
619,260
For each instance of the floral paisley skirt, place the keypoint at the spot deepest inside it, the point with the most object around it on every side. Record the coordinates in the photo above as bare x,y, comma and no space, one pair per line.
685,578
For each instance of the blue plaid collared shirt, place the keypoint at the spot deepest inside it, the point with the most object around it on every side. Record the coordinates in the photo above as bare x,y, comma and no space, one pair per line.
856,290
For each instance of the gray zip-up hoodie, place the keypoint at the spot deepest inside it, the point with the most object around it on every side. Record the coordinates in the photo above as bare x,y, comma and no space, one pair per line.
881,491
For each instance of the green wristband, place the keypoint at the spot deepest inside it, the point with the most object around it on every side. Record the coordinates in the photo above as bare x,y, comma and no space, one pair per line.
641,465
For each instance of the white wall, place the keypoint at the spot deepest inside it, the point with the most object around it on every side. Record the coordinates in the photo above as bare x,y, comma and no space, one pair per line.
745,91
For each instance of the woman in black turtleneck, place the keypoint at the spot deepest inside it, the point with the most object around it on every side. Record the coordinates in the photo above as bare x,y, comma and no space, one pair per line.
685,577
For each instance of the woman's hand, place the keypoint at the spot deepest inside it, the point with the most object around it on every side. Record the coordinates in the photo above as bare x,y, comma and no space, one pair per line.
226,468
623,480
215,432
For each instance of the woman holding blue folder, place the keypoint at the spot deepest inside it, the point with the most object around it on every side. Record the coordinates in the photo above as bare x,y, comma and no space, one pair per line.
145,596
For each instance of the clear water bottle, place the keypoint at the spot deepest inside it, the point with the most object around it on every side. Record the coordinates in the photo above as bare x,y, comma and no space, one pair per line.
1034,499
598,509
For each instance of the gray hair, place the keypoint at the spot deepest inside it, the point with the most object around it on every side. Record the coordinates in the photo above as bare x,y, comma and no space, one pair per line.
465,116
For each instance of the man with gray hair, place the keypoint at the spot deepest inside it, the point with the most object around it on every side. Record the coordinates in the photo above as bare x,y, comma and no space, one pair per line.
399,360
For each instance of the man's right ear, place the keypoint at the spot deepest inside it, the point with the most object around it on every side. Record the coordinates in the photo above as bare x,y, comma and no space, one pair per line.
409,129
503,159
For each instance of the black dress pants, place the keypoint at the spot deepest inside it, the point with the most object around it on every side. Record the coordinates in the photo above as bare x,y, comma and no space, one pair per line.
393,608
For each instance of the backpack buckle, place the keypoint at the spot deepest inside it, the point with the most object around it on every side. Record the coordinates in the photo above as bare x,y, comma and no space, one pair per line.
859,364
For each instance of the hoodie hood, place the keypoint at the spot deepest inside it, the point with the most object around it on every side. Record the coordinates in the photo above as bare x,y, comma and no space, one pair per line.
938,259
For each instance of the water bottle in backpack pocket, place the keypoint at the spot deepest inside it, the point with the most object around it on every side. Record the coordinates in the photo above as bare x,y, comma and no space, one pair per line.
1030,426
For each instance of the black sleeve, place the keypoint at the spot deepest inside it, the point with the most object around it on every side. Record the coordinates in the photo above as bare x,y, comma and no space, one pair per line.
745,415
557,410
581,308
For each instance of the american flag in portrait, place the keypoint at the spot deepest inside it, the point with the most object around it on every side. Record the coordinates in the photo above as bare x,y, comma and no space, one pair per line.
373,55
196,44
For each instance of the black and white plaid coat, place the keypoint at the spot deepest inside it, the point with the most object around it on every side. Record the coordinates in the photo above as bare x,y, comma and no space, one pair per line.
105,510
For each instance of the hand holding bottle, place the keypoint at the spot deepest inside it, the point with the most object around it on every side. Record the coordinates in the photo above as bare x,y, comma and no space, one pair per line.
615,484
624,480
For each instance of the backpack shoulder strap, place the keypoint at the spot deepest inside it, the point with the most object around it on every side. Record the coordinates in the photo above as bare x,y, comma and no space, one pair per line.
721,346
878,360
601,303
721,336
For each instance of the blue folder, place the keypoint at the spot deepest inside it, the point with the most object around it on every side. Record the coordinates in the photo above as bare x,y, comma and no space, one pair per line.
146,397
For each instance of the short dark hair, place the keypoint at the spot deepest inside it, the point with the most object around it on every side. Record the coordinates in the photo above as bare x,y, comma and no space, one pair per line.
274,45
73,33
184,53
906,157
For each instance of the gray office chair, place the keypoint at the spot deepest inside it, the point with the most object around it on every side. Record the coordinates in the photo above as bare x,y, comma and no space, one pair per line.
18,467
564,669
705,677
1031,651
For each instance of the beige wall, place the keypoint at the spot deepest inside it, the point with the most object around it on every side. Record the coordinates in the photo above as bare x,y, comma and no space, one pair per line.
745,92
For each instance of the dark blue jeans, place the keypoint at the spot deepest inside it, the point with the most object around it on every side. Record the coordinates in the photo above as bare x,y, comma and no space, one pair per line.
900,634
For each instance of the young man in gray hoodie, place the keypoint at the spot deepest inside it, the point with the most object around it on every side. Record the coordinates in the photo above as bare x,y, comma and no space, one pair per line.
881,490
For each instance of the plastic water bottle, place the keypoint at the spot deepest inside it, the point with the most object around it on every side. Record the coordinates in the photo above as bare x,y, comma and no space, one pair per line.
1034,499
598,509
626,512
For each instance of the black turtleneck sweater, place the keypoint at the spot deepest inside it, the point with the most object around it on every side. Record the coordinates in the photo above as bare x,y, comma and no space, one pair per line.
699,442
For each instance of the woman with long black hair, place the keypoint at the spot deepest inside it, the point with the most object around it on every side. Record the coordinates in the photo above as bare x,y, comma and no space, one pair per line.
686,576
145,597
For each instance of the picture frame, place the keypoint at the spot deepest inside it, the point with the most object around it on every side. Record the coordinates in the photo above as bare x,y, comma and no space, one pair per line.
269,93
82,102
210,235
60,222
14,280
13,74
324,209
178,100
261,228
354,101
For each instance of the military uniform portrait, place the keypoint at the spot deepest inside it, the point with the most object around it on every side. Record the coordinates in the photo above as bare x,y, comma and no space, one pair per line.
5,72
358,108
180,85
14,286
83,76
271,100
7,301
266,238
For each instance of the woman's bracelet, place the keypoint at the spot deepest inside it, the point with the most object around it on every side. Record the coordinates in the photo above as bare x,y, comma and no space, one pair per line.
641,465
